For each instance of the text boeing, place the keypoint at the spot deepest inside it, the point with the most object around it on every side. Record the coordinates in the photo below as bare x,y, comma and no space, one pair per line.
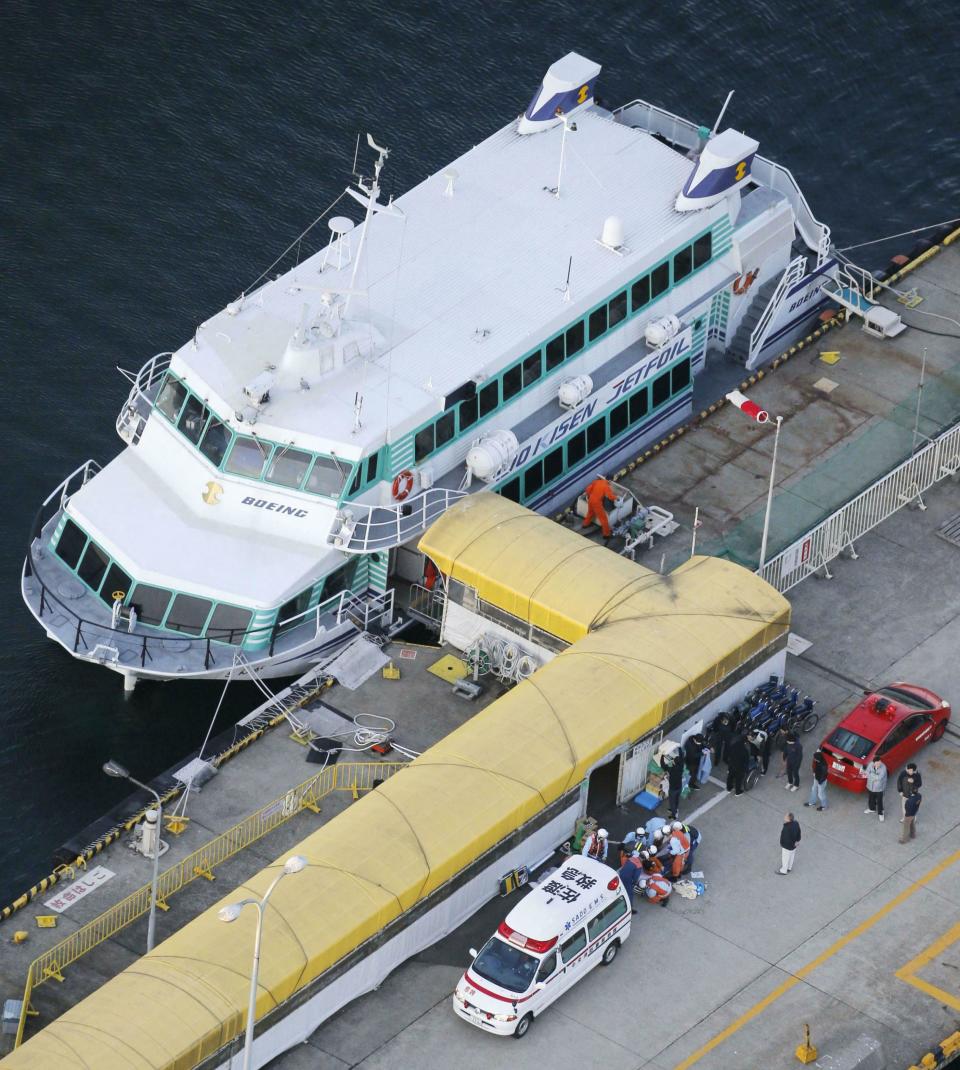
274,507
623,386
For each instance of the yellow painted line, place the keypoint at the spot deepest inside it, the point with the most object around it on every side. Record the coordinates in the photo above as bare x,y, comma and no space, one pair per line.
805,971
908,973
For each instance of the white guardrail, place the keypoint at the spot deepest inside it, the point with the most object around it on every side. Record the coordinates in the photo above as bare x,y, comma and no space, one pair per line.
905,484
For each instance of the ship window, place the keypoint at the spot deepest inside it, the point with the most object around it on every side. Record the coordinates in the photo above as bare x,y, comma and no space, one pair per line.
575,338
618,308
532,368
661,389
326,477
532,479
553,464
93,565
215,442
357,479
683,263
193,419
150,602
702,249
680,376
619,418
339,580
640,294
446,428
171,397
288,467
291,611
117,580
576,448
188,614
511,490
373,463
423,443
596,434
555,352
512,381
660,279
638,405
598,322
248,456
228,624
468,412
489,398
71,544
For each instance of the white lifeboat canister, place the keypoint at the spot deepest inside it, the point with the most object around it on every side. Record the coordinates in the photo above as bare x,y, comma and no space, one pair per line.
491,453
574,390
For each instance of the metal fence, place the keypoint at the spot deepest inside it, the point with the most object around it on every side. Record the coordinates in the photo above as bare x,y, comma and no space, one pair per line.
355,777
838,532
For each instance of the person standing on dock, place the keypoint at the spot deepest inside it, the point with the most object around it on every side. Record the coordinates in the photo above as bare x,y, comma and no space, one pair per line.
908,780
876,785
692,754
597,492
792,757
789,838
818,789
911,809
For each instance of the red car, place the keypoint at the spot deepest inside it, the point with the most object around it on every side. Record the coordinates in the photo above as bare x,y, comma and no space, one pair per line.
891,724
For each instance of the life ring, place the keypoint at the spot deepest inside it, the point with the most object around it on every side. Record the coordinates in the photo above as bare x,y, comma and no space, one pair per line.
402,484
742,283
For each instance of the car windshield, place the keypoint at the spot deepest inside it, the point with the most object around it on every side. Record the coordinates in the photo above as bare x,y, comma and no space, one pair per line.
845,740
505,965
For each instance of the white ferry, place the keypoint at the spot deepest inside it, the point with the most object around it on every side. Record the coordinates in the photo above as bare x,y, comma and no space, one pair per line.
529,316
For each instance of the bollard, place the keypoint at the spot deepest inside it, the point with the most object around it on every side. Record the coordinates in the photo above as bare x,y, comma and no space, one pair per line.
806,1052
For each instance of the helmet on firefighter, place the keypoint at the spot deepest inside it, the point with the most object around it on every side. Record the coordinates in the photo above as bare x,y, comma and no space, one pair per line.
602,834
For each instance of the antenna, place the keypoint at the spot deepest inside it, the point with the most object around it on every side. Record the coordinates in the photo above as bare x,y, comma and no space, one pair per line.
356,153
568,127
565,289
722,112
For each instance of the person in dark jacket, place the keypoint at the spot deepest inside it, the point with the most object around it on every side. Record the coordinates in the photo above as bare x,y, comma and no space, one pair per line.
738,757
675,784
818,789
792,757
720,737
789,838
911,809
692,753
908,780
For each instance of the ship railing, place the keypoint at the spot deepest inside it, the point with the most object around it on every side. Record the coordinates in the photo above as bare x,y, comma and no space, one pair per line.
360,528
794,272
142,394
427,604
686,134
356,778
366,611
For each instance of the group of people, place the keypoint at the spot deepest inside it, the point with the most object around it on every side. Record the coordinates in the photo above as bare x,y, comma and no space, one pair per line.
651,857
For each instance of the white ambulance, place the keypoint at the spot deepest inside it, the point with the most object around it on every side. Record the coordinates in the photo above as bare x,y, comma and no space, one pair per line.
575,917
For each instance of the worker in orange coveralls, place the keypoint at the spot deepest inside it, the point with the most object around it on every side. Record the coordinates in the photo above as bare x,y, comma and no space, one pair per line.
597,491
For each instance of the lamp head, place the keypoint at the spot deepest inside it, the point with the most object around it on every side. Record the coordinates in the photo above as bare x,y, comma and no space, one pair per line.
115,769
294,864
230,912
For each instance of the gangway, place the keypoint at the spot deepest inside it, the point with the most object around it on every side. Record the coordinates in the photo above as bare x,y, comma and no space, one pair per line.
850,288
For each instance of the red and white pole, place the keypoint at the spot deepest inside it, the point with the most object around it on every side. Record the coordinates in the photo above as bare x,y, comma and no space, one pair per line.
745,405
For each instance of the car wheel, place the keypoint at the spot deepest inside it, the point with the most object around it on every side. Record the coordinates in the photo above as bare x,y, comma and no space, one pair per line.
610,952
938,731
810,722
523,1027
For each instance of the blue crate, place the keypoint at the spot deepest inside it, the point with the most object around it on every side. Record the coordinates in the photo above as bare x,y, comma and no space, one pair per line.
647,800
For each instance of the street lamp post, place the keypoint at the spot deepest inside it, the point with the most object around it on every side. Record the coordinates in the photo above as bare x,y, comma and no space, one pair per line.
294,864
766,515
115,769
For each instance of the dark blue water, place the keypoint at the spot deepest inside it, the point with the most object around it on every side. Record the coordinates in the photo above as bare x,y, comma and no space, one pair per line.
155,158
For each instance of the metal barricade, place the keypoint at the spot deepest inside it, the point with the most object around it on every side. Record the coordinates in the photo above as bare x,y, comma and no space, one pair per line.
838,532
355,777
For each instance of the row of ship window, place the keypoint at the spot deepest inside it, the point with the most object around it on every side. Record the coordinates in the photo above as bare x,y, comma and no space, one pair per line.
177,612
471,403
256,458
606,427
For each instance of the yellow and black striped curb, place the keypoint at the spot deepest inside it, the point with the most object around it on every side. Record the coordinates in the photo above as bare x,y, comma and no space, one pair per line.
69,870
944,1052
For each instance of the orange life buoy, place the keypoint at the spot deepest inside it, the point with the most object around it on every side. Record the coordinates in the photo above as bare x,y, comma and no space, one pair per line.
742,283
402,484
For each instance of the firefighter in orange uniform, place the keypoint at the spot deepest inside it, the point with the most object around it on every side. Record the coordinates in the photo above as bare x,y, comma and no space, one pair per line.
597,491
656,888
